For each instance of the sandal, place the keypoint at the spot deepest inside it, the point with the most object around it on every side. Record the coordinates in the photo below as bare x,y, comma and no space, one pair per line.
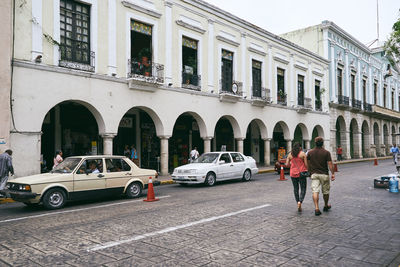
327,208
317,212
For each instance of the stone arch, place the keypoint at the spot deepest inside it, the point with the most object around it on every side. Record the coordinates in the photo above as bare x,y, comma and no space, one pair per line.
304,133
253,144
153,115
234,123
261,126
200,122
341,136
285,128
317,131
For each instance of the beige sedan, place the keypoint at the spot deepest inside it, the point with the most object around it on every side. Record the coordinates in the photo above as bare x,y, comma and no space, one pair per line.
82,178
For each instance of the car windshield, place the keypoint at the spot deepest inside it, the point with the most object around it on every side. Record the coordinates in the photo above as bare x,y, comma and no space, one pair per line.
67,166
206,158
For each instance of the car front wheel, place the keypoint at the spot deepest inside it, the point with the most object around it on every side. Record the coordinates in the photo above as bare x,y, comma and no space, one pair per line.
210,179
54,199
246,175
134,190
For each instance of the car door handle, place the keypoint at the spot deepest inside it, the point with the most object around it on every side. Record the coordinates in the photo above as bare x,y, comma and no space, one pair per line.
231,165
128,173
100,175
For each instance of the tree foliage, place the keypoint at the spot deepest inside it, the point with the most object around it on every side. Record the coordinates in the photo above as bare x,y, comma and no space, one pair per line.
392,45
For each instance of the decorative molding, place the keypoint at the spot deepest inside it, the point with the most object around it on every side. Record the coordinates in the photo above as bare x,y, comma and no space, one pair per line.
300,66
257,49
190,26
141,9
317,72
227,38
281,58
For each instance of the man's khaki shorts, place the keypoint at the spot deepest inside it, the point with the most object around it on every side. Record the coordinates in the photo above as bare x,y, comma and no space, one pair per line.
318,180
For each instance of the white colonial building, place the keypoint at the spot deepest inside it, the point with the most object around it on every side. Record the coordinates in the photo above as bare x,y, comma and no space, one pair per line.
92,76
364,92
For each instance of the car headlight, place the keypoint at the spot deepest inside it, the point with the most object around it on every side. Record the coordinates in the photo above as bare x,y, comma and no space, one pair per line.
23,187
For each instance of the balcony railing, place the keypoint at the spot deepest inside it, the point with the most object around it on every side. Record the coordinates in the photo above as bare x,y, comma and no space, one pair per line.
149,72
318,105
356,103
367,107
77,61
259,93
235,89
343,100
191,81
282,99
308,102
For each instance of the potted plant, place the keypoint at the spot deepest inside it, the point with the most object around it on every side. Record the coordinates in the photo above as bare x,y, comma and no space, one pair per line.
144,56
282,95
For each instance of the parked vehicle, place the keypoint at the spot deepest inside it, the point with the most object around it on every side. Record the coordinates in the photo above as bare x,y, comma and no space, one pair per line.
81,177
216,166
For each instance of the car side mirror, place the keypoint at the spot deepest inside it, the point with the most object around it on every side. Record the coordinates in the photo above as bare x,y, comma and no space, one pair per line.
221,162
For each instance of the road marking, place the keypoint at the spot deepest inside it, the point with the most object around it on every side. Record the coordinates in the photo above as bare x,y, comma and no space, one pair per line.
69,211
171,229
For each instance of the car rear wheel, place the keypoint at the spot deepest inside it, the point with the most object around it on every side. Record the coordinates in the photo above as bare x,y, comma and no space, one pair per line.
134,190
210,179
246,175
54,199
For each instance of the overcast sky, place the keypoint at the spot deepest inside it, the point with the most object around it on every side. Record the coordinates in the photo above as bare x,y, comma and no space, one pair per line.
357,17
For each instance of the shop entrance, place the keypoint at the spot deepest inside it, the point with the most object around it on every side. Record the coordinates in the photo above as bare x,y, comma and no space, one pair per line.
224,137
185,137
137,129
278,146
253,144
71,128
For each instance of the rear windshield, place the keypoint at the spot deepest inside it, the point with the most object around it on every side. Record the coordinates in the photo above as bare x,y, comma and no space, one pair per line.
67,166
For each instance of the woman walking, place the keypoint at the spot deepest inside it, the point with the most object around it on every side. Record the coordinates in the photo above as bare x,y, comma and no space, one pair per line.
297,160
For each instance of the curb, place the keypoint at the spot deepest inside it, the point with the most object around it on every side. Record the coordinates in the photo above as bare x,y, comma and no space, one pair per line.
6,200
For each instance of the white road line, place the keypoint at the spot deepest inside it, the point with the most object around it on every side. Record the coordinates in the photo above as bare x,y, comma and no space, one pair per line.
171,229
69,211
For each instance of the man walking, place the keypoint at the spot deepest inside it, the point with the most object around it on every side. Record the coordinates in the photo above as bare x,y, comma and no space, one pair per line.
194,154
339,152
319,160
395,151
6,168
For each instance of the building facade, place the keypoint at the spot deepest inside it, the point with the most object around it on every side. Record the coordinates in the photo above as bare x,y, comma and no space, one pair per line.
91,76
364,99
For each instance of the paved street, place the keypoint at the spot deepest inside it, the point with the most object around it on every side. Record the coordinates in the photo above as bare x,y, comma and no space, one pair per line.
230,224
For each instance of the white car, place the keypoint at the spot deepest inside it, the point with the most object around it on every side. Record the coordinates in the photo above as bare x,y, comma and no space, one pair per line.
216,166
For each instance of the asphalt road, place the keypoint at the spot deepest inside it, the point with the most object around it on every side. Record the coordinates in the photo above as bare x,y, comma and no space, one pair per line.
231,224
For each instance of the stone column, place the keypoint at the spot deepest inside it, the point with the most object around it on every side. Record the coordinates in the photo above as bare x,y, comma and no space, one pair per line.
288,146
346,74
307,144
26,147
372,151
164,154
357,145
240,144
207,144
210,61
243,75
108,143
168,41
345,141
267,151
292,82
333,71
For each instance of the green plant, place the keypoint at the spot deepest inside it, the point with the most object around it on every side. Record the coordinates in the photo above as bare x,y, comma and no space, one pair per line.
145,52
282,93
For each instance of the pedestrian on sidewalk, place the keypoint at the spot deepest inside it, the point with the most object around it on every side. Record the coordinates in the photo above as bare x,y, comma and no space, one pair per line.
339,152
6,168
127,151
395,151
320,162
297,160
58,158
194,154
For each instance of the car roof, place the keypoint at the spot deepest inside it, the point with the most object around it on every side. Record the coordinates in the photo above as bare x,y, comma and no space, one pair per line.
98,156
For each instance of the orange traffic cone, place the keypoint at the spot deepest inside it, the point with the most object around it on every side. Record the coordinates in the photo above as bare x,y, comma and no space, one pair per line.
150,192
375,162
282,176
335,169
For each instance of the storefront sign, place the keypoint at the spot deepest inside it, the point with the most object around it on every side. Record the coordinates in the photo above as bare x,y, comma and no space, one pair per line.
126,122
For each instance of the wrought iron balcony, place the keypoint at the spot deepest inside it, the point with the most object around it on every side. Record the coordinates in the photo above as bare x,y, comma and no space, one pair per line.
233,89
148,72
259,92
77,60
343,100
367,107
356,103
318,105
282,98
191,81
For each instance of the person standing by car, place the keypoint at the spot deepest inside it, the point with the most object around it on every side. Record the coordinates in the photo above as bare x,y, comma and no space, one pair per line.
297,160
58,158
319,160
6,168
194,154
